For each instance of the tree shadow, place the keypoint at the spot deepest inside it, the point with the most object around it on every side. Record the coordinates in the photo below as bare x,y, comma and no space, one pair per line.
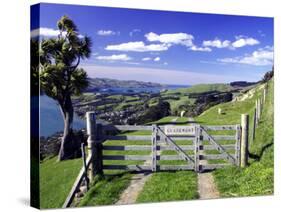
257,157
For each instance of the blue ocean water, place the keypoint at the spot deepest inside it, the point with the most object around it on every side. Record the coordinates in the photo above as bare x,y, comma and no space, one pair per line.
51,120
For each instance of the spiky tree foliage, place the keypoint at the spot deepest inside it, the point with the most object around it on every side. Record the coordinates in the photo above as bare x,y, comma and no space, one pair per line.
60,77
34,66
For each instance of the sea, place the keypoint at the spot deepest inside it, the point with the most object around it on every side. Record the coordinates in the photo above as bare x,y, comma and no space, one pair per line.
51,120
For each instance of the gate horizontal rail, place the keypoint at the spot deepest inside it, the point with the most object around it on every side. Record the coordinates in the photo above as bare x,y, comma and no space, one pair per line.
162,157
148,148
149,128
175,138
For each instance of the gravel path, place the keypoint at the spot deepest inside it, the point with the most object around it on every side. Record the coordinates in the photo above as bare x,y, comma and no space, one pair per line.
207,188
130,194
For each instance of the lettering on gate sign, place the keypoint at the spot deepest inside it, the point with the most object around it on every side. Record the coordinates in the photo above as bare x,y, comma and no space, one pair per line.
172,130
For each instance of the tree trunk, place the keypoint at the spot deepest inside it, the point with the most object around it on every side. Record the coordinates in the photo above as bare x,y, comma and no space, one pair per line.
70,148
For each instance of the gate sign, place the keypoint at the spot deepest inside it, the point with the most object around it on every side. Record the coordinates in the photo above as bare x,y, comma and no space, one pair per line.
172,130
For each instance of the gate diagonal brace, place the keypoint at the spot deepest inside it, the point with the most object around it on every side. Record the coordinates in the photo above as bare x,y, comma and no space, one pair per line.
170,142
218,147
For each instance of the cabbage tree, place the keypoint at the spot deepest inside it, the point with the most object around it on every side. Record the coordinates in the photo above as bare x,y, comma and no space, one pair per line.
61,77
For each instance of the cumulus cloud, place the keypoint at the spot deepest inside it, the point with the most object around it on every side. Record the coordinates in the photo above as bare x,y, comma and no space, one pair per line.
200,49
146,59
137,46
119,57
172,38
245,42
240,41
48,32
176,39
217,43
260,57
107,32
156,59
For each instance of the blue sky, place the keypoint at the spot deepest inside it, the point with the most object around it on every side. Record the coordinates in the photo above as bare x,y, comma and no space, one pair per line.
167,47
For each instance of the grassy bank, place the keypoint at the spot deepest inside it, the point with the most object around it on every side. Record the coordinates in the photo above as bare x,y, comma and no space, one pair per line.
56,180
257,178
107,190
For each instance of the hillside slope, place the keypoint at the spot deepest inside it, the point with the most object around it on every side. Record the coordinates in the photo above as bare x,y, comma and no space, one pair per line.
200,88
257,178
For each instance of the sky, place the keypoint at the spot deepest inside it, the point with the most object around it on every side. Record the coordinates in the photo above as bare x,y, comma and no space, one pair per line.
177,48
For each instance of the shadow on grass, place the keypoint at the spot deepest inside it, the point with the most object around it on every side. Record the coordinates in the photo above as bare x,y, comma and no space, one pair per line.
257,157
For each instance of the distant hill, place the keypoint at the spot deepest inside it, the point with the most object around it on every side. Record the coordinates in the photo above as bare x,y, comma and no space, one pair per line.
105,83
201,88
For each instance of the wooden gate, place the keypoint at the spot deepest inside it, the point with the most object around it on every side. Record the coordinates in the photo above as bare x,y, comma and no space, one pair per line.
199,148
205,148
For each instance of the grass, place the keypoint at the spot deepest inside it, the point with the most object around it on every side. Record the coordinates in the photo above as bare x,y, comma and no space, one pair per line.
169,186
165,120
257,178
200,88
107,190
184,100
56,180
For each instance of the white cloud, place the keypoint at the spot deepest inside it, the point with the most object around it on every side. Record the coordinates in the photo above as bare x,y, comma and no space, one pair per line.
244,42
172,38
165,63
201,49
240,41
48,32
137,46
119,57
107,32
217,43
156,59
260,57
146,59
134,31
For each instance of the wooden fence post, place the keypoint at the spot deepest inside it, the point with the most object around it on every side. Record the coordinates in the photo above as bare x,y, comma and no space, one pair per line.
85,165
260,108
244,139
256,112
95,147
154,148
264,94
197,148
254,124
238,144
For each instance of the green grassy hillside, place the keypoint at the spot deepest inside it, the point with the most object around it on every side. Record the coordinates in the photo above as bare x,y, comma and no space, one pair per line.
200,88
56,180
257,178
